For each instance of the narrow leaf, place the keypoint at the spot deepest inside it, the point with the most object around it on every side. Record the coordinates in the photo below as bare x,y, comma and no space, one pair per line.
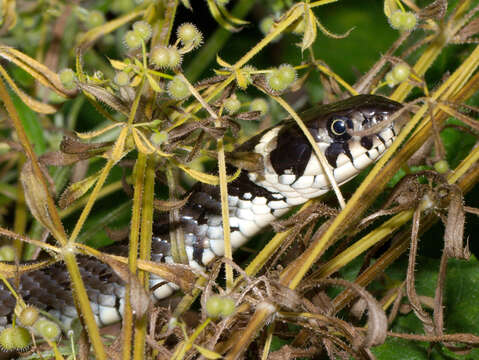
215,12
76,190
92,134
118,65
209,354
206,178
310,30
35,105
390,6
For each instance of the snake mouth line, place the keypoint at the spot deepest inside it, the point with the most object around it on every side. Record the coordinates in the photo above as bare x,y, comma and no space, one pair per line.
361,157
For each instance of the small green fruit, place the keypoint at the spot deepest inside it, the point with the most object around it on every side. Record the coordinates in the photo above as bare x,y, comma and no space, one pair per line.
7,253
95,18
159,138
189,34
132,40
15,338
401,72
409,21
29,315
390,79
143,29
287,73
121,78
232,105
219,306
47,329
275,81
178,89
441,166
403,21
260,105
68,77
266,24
395,20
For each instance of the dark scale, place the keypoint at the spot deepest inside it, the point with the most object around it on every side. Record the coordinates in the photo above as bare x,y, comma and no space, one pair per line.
292,152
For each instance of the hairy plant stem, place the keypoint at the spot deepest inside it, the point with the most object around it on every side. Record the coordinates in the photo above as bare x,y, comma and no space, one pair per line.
128,321
145,250
20,221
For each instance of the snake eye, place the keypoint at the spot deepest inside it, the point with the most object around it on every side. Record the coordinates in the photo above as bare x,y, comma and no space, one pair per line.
338,127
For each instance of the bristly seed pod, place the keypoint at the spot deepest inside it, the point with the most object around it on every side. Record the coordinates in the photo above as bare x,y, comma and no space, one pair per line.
178,89
189,35
143,29
15,339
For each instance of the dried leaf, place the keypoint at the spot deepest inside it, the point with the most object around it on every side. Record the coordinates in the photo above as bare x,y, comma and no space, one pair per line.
176,273
466,33
454,232
328,33
142,144
186,4
163,205
140,299
77,190
153,83
102,95
246,160
8,15
436,10
36,197
58,158
221,62
71,145
231,18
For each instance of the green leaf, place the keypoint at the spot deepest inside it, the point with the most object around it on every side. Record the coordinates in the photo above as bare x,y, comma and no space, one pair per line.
31,124
461,313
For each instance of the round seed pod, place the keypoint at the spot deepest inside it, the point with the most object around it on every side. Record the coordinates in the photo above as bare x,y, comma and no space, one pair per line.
15,339
47,329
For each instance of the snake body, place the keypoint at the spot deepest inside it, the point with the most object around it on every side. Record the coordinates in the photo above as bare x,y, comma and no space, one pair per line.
291,175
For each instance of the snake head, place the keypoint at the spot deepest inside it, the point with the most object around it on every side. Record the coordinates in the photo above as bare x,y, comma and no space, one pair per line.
352,134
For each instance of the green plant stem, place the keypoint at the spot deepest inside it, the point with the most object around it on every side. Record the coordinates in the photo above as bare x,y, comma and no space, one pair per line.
145,250
128,324
20,221
191,340
164,34
177,239
91,200
81,297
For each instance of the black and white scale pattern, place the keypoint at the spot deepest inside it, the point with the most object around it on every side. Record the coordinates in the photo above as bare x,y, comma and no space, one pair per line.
292,175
